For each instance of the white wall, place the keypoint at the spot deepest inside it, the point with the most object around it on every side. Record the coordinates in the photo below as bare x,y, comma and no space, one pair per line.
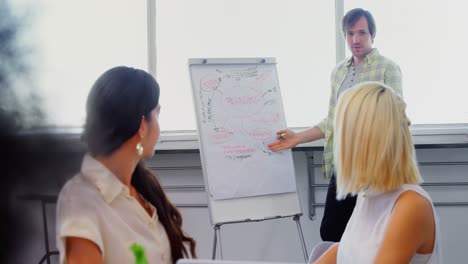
274,240
277,240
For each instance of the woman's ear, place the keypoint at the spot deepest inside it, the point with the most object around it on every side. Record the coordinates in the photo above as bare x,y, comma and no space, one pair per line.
143,128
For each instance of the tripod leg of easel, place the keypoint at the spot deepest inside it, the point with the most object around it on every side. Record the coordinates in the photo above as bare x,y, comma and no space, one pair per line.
213,256
219,243
217,236
301,237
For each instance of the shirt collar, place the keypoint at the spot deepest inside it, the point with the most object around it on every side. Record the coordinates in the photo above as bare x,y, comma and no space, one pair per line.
367,60
105,181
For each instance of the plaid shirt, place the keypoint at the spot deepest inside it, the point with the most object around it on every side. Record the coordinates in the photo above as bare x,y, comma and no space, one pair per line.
374,68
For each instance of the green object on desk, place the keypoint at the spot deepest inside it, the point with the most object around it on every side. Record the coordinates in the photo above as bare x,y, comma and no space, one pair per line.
139,253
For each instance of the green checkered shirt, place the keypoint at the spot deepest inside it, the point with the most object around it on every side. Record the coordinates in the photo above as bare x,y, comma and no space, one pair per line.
374,68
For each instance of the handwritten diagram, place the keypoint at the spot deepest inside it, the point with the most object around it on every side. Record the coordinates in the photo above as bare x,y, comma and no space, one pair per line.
240,103
239,110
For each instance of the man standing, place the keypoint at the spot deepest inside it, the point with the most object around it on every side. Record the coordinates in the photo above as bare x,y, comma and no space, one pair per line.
366,64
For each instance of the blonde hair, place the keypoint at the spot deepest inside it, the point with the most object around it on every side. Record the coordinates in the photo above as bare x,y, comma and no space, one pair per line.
373,145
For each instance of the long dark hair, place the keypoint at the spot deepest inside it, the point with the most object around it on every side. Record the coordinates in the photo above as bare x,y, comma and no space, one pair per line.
116,103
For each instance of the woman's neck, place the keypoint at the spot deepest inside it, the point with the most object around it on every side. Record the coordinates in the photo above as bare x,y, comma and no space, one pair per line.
122,164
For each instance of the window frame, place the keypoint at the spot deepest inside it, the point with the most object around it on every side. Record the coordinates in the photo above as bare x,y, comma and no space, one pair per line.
425,135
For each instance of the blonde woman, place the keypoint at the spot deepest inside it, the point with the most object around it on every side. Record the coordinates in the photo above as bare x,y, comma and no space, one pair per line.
394,220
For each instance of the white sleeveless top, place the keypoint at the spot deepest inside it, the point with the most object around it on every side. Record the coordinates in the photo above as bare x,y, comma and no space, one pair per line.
366,228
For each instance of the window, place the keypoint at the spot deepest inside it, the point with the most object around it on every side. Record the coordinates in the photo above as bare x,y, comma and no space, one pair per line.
299,34
73,42
429,40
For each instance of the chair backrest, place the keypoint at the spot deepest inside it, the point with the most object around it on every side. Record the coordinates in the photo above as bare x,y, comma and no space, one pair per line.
319,249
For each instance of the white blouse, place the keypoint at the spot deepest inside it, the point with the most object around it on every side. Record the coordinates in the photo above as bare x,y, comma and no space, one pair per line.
366,228
95,205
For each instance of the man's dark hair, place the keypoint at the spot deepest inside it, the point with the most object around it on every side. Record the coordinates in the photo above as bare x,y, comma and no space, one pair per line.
353,16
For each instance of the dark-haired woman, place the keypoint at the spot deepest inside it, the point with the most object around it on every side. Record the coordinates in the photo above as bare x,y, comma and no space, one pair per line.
115,201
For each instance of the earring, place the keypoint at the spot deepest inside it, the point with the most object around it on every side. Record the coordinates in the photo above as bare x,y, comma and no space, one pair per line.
139,149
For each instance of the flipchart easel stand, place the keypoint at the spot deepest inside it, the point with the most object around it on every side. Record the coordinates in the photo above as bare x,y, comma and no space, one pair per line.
217,235
218,80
